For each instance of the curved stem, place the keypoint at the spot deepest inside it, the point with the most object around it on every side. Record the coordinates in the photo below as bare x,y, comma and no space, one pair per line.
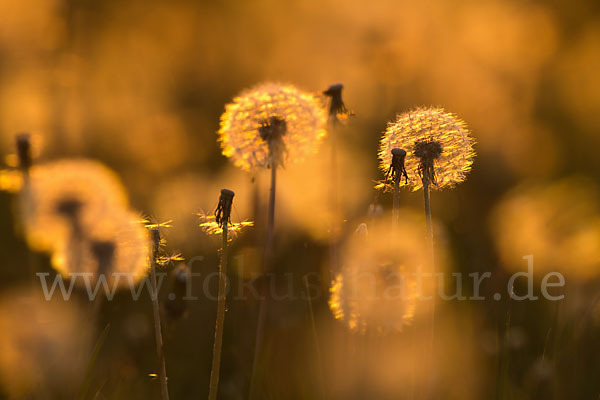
218,343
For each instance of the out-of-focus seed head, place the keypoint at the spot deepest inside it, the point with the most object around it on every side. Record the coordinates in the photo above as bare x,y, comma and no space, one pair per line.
116,248
66,195
270,125
557,222
378,286
438,145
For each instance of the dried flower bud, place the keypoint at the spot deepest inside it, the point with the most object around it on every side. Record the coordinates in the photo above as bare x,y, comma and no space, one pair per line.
223,212
336,106
397,168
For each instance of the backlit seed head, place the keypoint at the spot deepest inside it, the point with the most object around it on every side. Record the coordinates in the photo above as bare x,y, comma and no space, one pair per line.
270,125
68,197
115,245
438,144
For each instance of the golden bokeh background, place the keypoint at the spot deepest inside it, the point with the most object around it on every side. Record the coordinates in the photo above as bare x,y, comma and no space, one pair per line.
140,86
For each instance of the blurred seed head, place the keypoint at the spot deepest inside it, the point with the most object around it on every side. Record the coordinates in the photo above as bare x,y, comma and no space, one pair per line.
42,345
270,125
558,223
376,288
116,244
67,196
438,144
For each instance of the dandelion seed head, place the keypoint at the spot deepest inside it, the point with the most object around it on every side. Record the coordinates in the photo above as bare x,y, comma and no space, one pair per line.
431,136
41,341
68,195
558,223
116,244
376,289
271,124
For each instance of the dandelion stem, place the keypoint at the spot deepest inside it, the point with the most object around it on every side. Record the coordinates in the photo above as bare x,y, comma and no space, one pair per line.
218,343
262,311
157,326
426,183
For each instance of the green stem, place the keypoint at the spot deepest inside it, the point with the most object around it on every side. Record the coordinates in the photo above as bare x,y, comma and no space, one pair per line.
157,331
218,343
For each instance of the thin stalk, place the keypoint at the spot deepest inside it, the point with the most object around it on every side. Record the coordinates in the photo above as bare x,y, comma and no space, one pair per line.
429,224
262,312
218,343
157,330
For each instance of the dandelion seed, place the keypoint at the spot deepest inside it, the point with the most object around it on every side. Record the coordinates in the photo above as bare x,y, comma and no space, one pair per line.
271,124
210,226
156,225
438,146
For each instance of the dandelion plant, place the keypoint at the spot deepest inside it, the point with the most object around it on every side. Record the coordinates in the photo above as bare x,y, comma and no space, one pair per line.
439,151
269,126
222,218
213,225
439,154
